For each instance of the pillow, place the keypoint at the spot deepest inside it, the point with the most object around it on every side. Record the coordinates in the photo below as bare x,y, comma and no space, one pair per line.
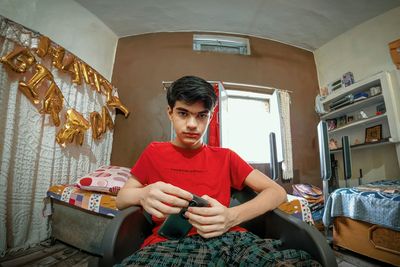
108,179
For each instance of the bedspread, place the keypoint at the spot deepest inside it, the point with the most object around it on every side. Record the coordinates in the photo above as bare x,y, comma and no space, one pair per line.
373,206
96,202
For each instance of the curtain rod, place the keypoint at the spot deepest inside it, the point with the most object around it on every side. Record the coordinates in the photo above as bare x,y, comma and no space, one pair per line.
165,83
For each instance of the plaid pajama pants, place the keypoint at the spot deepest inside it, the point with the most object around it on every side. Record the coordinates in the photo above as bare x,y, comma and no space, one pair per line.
230,249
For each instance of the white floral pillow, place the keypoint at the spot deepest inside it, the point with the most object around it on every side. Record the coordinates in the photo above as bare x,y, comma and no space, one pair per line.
108,179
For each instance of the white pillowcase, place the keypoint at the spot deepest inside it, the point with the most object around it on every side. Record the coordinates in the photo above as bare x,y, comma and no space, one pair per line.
107,179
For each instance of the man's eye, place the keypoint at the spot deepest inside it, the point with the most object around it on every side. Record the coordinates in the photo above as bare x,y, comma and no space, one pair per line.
203,116
182,114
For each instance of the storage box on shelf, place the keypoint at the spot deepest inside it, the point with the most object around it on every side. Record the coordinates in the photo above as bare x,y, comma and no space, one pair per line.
349,114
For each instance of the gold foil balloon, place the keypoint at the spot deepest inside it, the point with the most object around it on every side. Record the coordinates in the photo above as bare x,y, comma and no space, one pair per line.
96,124
99,123
96,81
58,57
30,89
19,60
74,128
53,103
90,73
84,70
107,88
106,120
114,102
74,69
43,47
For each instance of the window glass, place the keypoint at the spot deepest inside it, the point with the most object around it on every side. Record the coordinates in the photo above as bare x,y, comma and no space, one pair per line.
247,119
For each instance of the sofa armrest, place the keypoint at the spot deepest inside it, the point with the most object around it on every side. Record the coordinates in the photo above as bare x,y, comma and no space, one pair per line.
297,234
293,232
124,235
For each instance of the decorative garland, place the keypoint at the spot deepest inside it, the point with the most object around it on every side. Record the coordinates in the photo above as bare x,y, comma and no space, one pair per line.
25,60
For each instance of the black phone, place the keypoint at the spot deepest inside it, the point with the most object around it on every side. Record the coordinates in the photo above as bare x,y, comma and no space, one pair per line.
177,226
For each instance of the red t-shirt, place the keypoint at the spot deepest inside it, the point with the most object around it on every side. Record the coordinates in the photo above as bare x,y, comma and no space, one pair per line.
207,170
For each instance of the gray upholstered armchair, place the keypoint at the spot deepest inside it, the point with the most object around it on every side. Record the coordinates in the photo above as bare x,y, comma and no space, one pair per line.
130,227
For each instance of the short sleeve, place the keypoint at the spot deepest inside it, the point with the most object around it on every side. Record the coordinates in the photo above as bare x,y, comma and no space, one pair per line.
141,167
239,169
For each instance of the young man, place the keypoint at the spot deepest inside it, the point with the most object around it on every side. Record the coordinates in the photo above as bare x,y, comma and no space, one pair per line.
168,173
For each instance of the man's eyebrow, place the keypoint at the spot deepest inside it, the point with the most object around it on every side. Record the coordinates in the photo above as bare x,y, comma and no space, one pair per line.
201,112
182,109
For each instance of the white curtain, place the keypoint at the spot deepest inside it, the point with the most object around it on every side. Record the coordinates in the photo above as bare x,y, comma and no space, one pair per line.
30,159
284,111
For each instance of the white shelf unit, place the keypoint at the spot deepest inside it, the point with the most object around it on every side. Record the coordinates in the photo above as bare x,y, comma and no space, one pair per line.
390,120
362,146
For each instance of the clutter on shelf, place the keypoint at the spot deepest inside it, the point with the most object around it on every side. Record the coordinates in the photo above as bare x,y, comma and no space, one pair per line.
347,79
314,197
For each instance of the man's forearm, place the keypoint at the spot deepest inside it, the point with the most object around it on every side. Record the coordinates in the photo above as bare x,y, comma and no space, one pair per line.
266,200
128,197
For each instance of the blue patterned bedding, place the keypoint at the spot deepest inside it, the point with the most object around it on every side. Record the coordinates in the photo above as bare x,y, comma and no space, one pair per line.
369,206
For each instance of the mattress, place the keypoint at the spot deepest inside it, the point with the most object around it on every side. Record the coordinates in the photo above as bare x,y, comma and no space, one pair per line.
375,203
88,200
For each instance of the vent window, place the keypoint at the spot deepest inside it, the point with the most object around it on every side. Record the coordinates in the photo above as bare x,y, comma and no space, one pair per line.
221,44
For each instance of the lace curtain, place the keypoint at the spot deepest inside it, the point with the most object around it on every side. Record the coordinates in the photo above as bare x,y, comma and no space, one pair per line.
284,111
30,159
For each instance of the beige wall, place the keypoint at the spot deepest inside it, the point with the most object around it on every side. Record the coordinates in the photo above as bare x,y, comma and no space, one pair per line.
373,167
143,62
364,51
70,25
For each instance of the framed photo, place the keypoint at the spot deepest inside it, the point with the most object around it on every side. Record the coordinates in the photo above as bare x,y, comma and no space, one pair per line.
331,124
341,121
350,119
373,134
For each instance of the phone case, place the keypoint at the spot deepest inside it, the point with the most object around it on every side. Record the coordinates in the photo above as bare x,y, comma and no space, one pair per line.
176,226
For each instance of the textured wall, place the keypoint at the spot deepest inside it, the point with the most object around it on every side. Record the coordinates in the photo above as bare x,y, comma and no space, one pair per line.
143,62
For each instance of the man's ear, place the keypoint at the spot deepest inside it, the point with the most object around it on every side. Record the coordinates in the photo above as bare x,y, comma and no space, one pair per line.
169,112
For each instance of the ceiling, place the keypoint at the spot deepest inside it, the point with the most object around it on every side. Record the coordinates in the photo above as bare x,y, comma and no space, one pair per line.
307,24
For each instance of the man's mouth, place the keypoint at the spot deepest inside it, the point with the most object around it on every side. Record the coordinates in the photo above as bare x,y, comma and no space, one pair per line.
192,135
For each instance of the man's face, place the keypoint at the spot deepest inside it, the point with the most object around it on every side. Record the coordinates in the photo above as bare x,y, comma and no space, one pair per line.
190,122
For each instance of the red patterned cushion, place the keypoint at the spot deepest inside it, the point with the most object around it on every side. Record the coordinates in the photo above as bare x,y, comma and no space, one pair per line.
108,179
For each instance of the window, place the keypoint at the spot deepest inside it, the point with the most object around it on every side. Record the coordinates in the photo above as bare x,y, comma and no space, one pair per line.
247,119
221,44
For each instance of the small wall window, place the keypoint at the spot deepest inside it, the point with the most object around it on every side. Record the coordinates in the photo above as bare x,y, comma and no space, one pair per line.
221,44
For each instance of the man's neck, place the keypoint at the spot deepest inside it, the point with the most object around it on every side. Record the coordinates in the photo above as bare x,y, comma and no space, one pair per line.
193,147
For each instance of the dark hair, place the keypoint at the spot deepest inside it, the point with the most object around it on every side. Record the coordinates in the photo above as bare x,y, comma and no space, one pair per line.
191,89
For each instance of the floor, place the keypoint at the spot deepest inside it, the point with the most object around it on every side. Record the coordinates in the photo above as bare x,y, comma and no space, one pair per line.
62,255
346,258
47,254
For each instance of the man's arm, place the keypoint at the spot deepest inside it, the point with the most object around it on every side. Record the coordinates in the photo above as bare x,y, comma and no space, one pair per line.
270,196
158,199
218,219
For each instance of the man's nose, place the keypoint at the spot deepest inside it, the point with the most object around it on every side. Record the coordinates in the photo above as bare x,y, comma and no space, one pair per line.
192,122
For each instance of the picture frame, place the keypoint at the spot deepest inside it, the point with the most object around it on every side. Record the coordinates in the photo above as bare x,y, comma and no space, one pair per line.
341,121
350,119
373,134
331,123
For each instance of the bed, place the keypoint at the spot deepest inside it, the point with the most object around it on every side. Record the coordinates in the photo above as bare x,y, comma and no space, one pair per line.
80,217
91,222
366,219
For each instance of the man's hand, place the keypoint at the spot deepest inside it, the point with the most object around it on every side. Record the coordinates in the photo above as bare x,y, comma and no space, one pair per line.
211,221
161,199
